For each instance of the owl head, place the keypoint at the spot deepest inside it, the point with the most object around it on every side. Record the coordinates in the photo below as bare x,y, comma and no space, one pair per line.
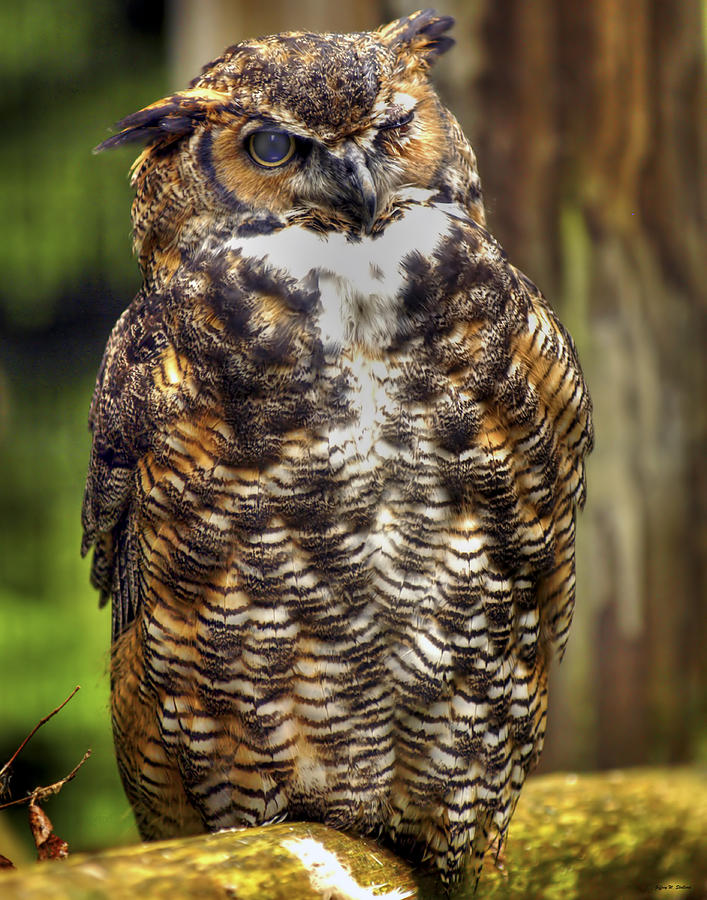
331,131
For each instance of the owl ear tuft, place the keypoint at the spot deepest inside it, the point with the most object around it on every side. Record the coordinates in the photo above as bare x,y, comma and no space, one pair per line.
421,34
166,120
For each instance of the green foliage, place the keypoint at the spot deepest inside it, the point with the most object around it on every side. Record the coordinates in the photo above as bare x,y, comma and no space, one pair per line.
70,70
66,223
34,37
53,636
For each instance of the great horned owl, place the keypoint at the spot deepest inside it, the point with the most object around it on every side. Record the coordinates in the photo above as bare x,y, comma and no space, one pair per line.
338,448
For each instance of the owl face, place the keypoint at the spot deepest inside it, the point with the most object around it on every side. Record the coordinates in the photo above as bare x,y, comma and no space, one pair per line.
327,131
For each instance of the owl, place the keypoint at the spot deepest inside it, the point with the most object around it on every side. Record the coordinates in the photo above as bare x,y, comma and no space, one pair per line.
338,450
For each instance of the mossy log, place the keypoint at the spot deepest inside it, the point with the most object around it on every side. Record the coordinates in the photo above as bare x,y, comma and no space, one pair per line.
626,834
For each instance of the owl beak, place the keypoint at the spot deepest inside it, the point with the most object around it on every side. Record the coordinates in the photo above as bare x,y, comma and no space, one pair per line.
361,178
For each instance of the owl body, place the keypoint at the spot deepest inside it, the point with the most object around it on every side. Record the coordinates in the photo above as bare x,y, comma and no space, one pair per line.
338,449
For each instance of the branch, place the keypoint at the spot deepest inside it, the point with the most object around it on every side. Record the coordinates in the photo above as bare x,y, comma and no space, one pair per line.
6,768
49,845
628,834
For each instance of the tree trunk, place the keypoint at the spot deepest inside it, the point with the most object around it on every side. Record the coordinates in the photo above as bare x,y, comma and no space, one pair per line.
199,30
588,122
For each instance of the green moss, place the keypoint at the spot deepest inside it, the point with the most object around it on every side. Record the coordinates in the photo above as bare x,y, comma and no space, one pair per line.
626,835
576,249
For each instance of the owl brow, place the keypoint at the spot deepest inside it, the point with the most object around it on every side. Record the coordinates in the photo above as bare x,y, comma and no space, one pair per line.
397,122
266,123
263,121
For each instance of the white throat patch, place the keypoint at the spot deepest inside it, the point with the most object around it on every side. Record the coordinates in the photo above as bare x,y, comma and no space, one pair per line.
360,282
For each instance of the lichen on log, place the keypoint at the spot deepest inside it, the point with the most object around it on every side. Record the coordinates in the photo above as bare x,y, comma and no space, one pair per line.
626,834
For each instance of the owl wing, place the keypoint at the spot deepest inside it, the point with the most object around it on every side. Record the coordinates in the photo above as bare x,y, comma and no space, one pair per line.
508,424
526,473
121,419
548,416
182,414
544,412
519,424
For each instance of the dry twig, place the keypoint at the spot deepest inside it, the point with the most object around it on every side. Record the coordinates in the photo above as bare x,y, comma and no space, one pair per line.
49,846
5,771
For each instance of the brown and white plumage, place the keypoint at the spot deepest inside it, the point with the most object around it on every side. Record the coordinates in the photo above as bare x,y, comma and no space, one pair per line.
338,452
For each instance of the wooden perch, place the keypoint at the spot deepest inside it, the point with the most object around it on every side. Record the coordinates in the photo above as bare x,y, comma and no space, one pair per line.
628,834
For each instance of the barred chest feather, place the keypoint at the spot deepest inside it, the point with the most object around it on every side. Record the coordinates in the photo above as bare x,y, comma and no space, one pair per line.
317,589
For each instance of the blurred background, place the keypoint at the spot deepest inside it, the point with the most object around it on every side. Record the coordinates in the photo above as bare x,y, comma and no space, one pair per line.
588,122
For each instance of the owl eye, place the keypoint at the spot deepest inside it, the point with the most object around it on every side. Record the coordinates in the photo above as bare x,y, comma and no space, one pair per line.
271,148
397,123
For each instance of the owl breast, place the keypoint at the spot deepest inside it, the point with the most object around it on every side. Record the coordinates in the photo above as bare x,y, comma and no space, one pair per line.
310,587
345,514
313,561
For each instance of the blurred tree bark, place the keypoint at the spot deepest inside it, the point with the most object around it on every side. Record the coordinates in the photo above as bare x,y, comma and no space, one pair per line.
588,122
199,30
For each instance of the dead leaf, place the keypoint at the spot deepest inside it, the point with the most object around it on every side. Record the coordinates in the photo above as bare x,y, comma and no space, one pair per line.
49,846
